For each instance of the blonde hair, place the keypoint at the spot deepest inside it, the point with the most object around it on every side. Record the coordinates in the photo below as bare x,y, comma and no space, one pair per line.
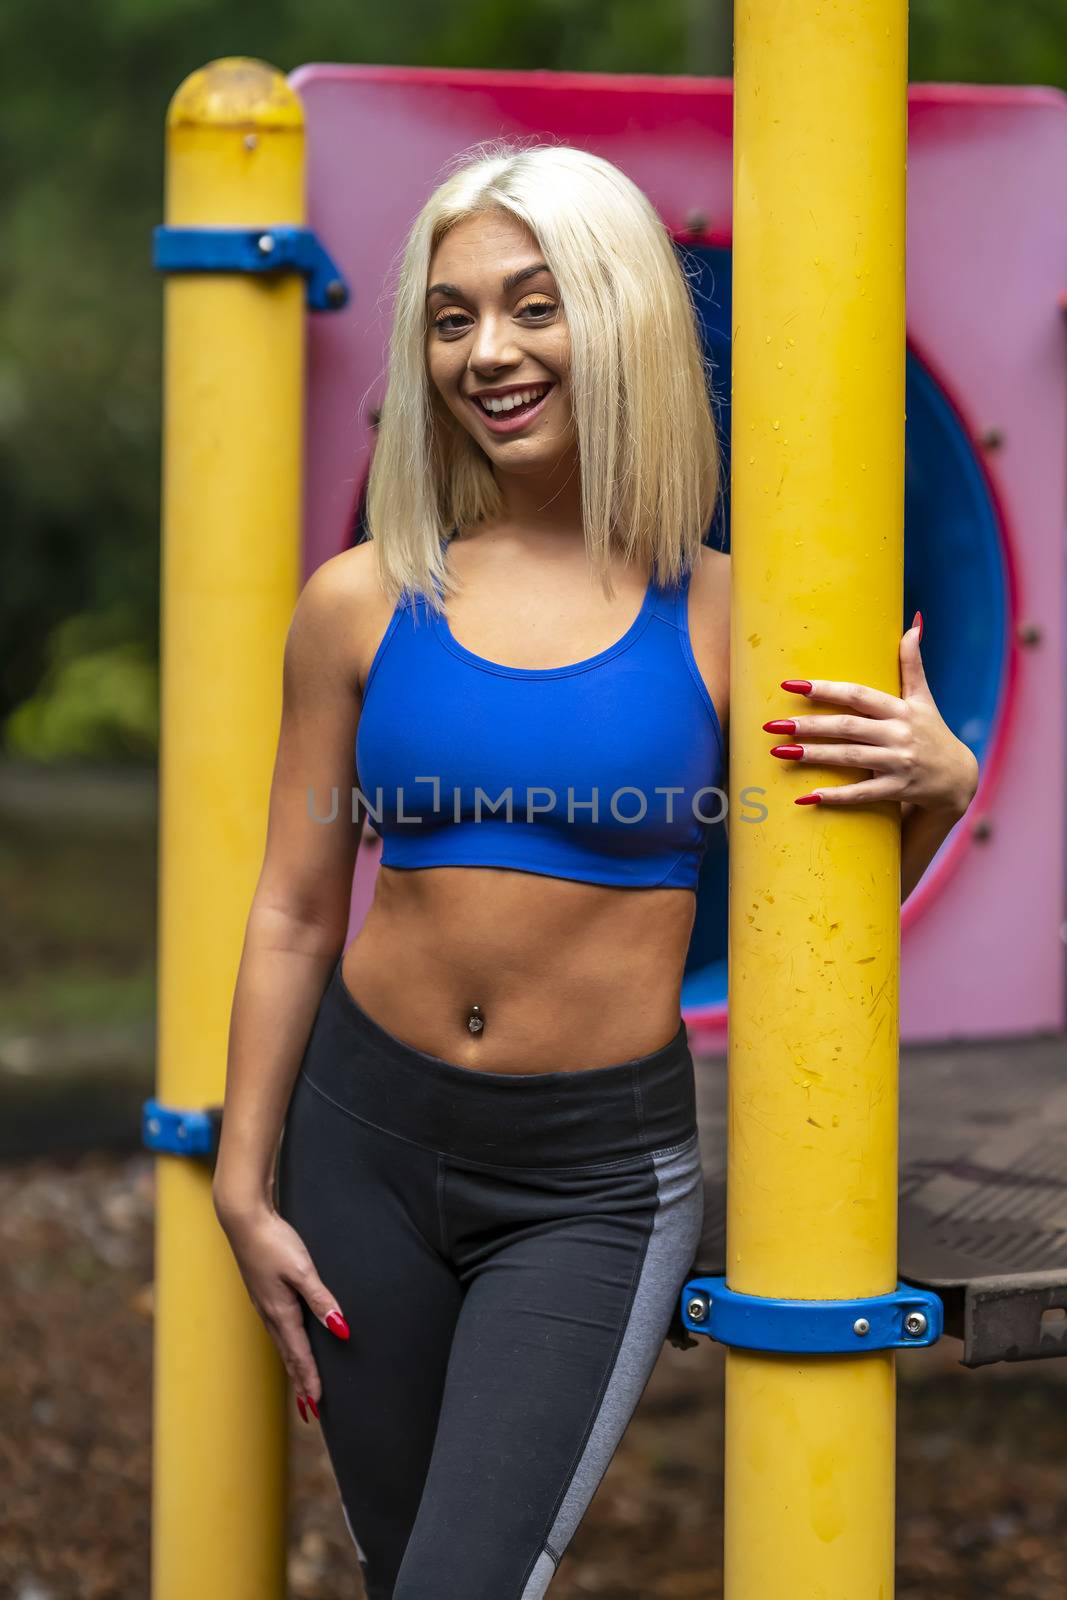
647,444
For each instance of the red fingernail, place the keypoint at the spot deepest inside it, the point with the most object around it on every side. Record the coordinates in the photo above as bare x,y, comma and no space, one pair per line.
301,1407
917,621
796,685
780,725
788,752
337,1324
314,1407
808,800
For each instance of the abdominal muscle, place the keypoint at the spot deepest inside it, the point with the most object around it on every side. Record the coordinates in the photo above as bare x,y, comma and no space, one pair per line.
566,975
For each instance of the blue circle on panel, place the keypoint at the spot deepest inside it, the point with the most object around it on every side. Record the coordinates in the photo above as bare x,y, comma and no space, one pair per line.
954,572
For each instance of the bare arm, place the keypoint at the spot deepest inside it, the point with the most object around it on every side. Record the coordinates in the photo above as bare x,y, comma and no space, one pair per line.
924,830
709,632
299,913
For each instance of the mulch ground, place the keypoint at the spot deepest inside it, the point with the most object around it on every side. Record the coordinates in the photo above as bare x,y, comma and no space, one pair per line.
982,1456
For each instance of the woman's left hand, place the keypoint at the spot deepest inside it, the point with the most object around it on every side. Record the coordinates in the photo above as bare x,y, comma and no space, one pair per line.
903,742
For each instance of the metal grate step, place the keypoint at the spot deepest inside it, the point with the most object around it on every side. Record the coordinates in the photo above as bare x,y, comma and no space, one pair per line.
983,1188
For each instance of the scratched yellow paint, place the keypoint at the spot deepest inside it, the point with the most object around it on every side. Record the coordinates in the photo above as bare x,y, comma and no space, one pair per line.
820,120
233,399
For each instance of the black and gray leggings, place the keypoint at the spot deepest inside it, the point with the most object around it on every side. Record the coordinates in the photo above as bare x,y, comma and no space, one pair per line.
508,1250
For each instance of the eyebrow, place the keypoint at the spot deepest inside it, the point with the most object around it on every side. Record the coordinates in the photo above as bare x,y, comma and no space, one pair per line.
510,281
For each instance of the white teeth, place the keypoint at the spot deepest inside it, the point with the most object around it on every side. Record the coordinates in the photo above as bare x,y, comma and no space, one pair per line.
508,402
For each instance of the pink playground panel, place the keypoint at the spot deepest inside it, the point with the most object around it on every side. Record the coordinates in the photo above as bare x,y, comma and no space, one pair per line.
983,936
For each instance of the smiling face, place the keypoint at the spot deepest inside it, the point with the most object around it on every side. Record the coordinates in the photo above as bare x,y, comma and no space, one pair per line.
496,332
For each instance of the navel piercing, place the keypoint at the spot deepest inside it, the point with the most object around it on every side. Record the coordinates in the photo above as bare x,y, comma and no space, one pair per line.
476,1022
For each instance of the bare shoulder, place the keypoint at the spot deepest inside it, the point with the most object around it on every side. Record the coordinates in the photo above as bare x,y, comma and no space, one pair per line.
341,613
710,586
348,578
709,596
709,624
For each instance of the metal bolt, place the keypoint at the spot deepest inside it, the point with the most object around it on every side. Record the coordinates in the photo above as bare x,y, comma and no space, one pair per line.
336,294
861,1325
265,244
697,1309
915,1323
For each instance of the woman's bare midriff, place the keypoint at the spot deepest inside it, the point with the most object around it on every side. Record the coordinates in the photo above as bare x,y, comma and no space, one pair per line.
566,975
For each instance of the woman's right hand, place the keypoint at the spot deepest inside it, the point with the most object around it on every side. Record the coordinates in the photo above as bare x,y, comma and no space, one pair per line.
278,1271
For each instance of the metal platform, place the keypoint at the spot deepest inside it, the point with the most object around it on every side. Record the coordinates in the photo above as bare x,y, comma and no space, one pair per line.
983,1189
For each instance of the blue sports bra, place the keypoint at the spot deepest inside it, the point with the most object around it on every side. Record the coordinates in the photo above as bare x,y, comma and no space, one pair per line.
603,771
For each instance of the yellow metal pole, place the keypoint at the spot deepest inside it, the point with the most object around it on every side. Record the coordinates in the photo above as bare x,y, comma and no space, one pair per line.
233,381
820,134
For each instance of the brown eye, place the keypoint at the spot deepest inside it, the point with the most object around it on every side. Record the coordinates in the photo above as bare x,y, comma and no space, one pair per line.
538,307
449,321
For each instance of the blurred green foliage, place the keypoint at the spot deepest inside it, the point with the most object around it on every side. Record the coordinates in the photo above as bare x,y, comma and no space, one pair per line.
85,93
99,696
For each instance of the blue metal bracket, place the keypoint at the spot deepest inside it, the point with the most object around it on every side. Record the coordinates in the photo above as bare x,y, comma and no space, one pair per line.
181,1133
906,1317
280,247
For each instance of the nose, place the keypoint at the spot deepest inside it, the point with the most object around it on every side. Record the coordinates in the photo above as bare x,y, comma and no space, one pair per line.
494,347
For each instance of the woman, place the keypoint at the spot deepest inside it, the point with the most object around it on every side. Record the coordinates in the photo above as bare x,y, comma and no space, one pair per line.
488,1193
